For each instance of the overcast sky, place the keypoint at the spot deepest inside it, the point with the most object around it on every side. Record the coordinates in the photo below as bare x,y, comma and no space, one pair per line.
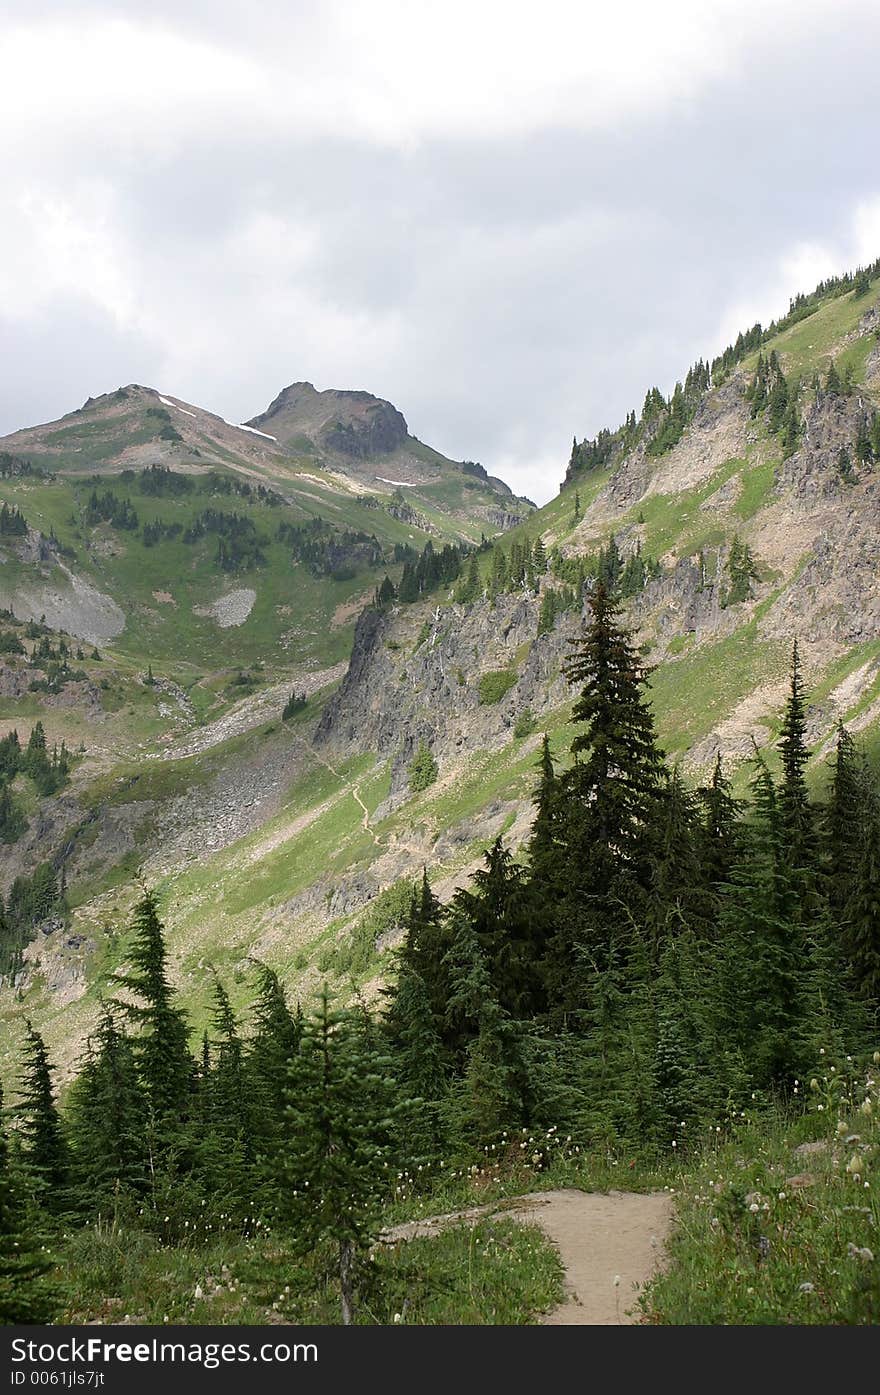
510,219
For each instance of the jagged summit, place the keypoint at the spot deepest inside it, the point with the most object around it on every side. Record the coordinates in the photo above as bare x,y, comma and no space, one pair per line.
354,424
347,441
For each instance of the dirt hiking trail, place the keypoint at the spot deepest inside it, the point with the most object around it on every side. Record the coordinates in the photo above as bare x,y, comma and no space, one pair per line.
610,1244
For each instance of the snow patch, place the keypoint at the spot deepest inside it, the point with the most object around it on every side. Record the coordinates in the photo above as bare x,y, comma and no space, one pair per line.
252,429
401,484
167,403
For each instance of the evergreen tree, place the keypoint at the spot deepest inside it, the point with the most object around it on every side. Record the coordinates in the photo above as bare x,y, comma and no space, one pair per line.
791,429
795,813
469,588
228,1089
499,909
385,593
546,846
342,1104
108,1120
25,1296
718,841
678,895
43,1145
425,944
843,815
862,925
274,1042
863,451
226,1143
762,951
832,381
164,1062
611,790
422,770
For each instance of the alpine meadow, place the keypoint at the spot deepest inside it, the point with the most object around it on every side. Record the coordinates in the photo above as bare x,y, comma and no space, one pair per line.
397,877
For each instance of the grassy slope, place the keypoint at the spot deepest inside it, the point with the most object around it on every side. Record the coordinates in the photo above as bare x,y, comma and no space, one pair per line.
231,904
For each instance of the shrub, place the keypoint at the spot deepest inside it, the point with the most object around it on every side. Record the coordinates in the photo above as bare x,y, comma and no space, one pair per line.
295,703
422,769
525,723
494,685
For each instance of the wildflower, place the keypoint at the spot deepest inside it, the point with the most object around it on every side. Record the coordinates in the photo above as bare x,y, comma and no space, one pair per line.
806,1288
854,1166
814,1085
863,1253
754,1208
842,1128
867,1107
782,1196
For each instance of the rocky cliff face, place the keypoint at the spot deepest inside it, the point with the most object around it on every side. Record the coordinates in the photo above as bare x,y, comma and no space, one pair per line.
813,531
406,685
356,424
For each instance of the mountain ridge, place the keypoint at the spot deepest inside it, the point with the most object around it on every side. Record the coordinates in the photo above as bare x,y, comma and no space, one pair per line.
725,545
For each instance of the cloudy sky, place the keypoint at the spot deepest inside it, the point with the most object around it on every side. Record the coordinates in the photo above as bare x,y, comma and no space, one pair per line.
508,218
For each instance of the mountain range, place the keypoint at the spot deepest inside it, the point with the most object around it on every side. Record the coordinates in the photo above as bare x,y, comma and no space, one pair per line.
171,581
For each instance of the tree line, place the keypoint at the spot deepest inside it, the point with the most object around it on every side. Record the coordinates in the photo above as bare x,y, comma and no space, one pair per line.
659,957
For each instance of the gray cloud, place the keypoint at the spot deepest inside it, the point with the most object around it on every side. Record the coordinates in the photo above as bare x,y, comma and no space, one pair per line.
505,284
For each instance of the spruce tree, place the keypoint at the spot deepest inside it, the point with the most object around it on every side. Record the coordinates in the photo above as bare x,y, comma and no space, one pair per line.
612,791
498,906
795,812
832,381
678,895
546,846
762,950
107,1117
25,1295
165,1065
424,948
718,840
225,1148
43,1145
490,1091
274,1042
331,1175
842,820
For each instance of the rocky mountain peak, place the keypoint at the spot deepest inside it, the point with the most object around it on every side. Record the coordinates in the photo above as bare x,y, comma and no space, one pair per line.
353,423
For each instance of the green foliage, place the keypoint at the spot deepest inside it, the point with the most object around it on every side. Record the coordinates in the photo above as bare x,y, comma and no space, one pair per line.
108,1121
766,1237
297,702
12,522
164,1063
43,1145
525,724
31,900
422,770
424,574
741,571
25,1296
341,1105
387,913
493,686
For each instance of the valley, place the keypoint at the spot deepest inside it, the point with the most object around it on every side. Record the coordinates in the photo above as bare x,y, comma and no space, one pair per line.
292,667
